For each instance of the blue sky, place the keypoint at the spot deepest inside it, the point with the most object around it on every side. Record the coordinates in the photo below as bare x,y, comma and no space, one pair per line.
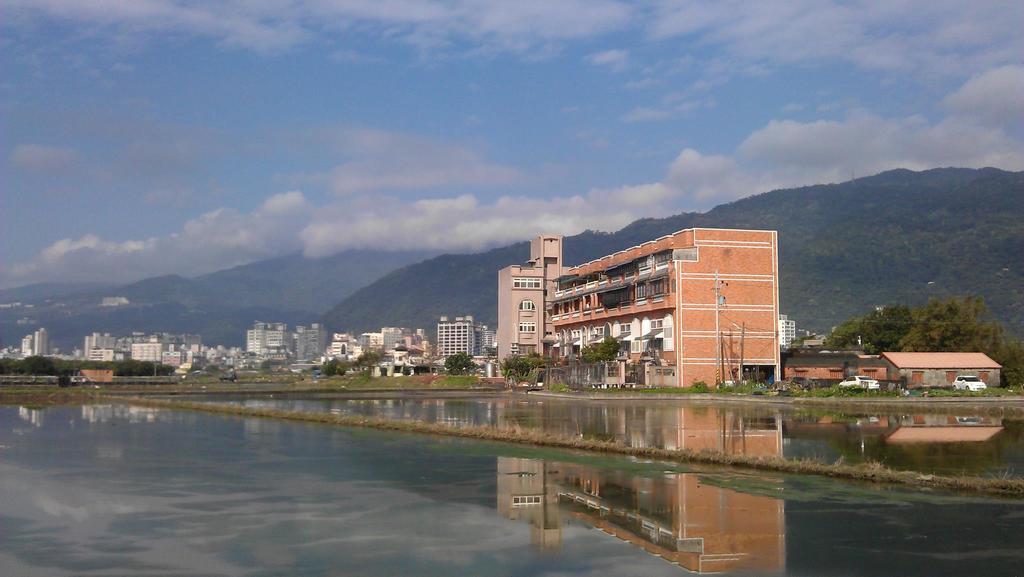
169,136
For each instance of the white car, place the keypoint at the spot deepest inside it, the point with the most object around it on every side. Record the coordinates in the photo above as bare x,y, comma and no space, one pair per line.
969,383
866,383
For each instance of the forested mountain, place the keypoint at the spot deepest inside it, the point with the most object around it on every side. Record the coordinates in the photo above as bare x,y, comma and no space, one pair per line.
896,237
218,305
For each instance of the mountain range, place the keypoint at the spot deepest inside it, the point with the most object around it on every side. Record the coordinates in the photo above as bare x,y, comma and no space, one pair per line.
896,237
219,305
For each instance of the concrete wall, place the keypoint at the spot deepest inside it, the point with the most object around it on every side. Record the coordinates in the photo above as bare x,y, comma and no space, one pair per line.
944,377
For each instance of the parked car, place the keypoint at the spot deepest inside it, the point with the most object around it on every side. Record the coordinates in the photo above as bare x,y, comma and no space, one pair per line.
969,383
862,382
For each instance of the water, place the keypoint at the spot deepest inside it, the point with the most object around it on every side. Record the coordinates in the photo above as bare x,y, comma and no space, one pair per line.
959,443
117,490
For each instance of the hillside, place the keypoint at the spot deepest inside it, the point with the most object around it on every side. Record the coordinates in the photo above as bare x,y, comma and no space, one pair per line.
899,236
218,305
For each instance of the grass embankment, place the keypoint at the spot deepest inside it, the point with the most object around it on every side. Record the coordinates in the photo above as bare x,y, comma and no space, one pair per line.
351,383
872,472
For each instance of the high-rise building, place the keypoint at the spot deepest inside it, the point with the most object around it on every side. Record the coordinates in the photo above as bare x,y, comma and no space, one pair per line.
268,338
787,331
309,341
462,335
98,341
27,346
41,342
391,336
152,350
524,292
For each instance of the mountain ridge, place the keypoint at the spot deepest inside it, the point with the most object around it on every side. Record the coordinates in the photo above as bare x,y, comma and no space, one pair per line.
894,232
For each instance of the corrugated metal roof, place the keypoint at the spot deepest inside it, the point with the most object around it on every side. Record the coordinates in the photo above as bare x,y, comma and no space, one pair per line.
941,360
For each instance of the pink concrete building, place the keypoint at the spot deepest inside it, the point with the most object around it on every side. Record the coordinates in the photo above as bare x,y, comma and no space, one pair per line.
524,326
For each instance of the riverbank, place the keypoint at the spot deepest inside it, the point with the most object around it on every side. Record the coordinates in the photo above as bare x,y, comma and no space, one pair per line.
869,472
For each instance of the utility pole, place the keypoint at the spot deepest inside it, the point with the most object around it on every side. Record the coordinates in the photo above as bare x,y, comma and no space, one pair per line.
743,336
718,330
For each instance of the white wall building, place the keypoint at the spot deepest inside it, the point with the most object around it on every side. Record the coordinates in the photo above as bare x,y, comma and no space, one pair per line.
462,335
787,331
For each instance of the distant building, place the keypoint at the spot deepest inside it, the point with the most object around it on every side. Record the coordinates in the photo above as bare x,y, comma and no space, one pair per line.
371,341
152,351
524,293
104,354
114,301
461,335
98,341
41,342
27,346
309,342
265,339
787,331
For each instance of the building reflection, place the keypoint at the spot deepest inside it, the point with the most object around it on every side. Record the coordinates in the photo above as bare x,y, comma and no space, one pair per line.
702,528
689,427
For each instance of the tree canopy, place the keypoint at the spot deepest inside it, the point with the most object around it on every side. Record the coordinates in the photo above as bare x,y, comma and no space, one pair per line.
459,364
601,352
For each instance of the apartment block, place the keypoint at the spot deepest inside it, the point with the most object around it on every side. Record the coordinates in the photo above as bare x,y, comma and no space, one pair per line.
523,299
460,335
266,338
699,305
787,331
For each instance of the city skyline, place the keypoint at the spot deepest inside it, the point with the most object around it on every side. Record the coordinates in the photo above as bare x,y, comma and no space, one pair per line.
186,139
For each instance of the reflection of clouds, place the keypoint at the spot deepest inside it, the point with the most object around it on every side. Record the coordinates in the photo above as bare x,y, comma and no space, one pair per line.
202,495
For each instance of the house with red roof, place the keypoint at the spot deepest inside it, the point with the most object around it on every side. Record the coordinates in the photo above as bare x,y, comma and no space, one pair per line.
924,370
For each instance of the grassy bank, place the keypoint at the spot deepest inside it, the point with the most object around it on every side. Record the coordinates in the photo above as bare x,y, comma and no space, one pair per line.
871,472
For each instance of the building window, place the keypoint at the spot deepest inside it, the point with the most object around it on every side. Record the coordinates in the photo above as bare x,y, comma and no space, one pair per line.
526,282
527,305
983,375
527,327
657,324
625,329
641,291
950,376
917,377
525,500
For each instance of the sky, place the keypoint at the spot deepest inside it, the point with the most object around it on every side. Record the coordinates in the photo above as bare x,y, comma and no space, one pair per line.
185,136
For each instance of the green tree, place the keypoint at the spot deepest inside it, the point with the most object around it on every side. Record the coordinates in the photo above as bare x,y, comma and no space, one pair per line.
516,367
602,352
953,325
334,367
368,359
38,366
880,331
459,364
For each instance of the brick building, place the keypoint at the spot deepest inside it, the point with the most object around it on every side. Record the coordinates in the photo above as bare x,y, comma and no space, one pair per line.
697,305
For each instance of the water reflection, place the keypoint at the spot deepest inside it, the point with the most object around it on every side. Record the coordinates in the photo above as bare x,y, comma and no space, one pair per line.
677,517
950,444
104,492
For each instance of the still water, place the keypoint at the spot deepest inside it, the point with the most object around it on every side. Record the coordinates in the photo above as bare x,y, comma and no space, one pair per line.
118,490
960,443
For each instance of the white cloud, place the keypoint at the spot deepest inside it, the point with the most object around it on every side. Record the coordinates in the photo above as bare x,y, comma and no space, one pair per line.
613,59
378,160
218,239
272,25
458,223
942,37
671,107
43,159
995,96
